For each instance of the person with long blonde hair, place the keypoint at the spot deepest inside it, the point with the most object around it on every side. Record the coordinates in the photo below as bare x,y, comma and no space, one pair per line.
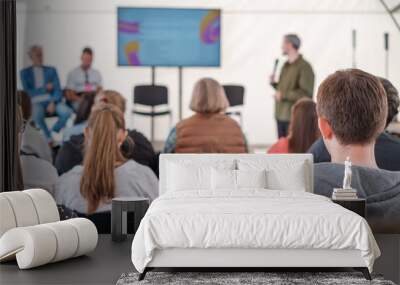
105,173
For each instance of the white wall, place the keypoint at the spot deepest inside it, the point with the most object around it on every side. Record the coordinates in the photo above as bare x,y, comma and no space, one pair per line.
251,38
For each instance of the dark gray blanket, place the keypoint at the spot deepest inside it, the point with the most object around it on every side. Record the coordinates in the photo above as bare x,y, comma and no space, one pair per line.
381,189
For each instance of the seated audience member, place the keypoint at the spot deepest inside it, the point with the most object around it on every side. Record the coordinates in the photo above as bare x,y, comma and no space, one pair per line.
83,78
82,115
71,152
352,112
43,86
32,142
209,130
36,172
387,146
303,129
105,173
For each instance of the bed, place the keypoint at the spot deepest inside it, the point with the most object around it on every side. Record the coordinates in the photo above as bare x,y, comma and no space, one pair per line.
247,211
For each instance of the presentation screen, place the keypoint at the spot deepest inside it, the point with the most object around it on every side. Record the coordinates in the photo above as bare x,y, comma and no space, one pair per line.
168,37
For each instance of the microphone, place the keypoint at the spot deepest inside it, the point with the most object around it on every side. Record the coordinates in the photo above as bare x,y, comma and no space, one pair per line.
386,37
354,44
275,66
272,78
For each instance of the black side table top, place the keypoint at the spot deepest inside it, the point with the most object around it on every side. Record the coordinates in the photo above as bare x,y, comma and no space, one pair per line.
355,205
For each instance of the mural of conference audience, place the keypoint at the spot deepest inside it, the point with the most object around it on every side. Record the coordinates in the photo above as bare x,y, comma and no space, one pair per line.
94,133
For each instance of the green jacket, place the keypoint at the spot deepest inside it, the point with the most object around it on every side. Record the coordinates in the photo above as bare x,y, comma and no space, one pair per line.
296,81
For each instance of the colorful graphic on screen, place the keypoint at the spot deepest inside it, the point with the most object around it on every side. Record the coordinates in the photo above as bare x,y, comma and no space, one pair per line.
210,27
168,37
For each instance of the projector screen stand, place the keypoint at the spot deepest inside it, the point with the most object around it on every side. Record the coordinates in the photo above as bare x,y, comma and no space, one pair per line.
180,70
153,75
180,89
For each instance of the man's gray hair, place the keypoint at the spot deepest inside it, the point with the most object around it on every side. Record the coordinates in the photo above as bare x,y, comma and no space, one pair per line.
33,49
294,40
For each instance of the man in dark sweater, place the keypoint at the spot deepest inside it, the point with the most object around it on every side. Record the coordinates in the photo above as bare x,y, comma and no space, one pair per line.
387,147
295,82
352,112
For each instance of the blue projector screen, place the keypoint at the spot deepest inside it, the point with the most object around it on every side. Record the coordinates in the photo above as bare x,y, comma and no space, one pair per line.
168,37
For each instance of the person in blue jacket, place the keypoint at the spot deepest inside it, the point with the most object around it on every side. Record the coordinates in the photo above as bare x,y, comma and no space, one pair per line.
43,86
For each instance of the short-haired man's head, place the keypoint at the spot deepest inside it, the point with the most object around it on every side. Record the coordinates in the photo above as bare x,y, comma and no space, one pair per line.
392,98
354,104
36,54
87,50
87,57
294,40
208,97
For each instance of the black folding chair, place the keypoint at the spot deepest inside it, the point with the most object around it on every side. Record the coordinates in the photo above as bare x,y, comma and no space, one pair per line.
235,95
151,96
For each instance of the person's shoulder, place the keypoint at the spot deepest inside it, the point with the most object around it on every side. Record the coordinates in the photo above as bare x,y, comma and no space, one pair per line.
74,143
74,70
26,70
49,68
318,143
39,166
186,120
281,146
327,173
227,119
305,63
328,168
386,138
135,134
75,171
71,177
375,172
283,142
131,166
319,151
96,71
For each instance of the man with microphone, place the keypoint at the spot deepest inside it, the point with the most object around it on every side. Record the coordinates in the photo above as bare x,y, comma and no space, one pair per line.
295,81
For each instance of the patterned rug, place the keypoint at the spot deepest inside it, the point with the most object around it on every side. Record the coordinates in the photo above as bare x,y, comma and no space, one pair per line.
269,278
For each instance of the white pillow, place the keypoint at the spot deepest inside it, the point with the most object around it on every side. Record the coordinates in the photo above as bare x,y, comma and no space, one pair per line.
186,175
281,174
238,179
251,179
223,179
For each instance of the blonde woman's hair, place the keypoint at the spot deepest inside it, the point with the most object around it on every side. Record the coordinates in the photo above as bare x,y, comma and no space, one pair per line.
101,155
114,98
208,97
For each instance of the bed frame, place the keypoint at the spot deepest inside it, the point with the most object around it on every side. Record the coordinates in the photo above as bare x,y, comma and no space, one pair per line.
245,259
259,259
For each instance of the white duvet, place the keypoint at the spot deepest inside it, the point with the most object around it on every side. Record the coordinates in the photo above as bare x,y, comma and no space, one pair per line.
250,219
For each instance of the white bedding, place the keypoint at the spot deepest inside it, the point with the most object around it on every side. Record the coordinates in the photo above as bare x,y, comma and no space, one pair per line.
250,219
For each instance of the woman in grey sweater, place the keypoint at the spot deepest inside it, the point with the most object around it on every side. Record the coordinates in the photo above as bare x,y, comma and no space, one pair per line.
105,173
